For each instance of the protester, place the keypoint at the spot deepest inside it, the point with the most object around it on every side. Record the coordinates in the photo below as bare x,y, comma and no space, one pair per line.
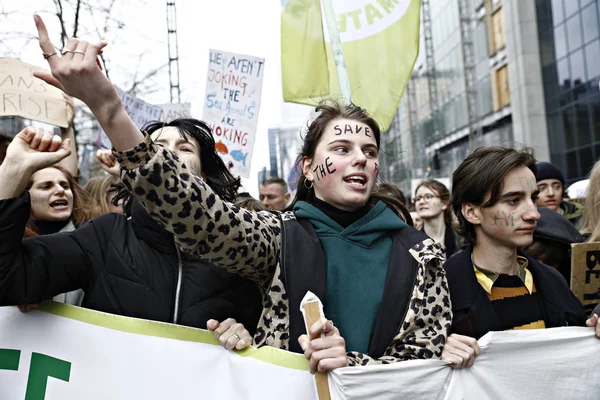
126,265
551,183
591,214
58,203
552,240
432,201
103,190
494,286
274,193
335,232
405,318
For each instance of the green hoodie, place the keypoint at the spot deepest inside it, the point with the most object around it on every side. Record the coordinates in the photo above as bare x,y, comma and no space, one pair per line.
357,263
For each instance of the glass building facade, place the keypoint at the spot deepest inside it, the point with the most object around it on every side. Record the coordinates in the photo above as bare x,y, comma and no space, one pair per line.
570,56
418,127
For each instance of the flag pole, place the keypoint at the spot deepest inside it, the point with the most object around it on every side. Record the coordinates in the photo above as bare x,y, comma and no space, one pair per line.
338,52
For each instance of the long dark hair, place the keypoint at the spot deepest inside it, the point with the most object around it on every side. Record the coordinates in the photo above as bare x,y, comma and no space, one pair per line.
328,110
214,171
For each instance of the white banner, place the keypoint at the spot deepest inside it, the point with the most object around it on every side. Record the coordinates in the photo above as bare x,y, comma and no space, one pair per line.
65,352
137,109
233,88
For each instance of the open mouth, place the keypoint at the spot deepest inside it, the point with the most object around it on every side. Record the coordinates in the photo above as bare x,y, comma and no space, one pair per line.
60,204
356,180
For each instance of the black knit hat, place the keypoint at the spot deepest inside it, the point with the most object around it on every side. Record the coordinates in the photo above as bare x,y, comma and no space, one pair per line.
548,171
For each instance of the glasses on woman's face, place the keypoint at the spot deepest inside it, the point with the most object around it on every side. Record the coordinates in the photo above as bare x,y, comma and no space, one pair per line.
426,197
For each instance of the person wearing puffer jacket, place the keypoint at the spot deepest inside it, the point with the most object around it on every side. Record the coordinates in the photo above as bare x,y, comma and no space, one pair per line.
126,264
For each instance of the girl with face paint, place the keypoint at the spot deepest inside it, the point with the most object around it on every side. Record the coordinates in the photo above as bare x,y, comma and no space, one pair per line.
382,283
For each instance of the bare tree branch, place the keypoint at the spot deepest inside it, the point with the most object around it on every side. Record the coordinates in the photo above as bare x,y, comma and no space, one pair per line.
76,23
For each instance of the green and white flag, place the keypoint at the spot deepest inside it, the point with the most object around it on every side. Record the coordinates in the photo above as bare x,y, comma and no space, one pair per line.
380,41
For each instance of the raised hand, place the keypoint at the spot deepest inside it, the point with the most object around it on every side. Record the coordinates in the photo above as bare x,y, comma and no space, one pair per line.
76,71
31,150
36,148
108,162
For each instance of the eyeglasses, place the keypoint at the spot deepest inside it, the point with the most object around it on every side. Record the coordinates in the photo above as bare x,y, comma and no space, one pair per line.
426,197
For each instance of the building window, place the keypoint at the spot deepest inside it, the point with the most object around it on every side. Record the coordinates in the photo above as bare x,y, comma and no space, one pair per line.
498,40
500,88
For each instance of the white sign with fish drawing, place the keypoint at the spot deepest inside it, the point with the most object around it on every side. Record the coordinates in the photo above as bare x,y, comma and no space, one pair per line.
233,88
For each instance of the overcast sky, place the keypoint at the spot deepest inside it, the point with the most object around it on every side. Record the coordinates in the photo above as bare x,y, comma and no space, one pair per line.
240,26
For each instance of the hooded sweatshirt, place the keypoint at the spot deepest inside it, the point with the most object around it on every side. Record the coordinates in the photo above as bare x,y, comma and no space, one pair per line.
357,262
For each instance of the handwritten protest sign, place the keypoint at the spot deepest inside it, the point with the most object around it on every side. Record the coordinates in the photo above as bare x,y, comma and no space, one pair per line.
26,96
585,272
174,111
137,109
233,88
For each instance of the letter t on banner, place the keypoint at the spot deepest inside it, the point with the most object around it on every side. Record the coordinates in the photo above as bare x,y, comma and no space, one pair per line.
312,310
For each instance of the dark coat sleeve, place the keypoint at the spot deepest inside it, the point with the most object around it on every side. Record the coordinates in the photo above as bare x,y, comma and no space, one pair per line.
37,268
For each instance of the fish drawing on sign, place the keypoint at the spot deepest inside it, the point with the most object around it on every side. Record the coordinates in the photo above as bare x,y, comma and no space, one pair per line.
239,156
221,148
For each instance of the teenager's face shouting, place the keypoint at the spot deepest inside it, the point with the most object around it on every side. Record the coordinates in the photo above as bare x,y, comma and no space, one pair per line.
345,166
51,195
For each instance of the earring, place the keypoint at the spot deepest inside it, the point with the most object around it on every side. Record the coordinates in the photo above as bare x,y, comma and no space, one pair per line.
376,191
311,184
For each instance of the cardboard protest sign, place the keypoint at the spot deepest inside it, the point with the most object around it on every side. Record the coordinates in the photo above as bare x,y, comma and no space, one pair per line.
174,111
137,109
233,88
26,96
585,272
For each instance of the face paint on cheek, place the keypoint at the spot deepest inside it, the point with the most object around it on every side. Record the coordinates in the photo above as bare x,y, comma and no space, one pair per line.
501,219
324,169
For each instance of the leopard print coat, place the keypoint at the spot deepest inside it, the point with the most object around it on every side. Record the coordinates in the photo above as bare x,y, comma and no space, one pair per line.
248,244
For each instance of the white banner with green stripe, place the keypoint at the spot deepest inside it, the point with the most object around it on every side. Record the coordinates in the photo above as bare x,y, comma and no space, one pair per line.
65,352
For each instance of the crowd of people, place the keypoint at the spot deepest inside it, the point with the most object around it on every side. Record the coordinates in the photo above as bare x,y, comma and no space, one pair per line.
169,235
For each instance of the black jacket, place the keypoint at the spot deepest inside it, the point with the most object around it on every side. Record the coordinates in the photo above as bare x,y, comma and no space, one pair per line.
310,273
126,266
474,314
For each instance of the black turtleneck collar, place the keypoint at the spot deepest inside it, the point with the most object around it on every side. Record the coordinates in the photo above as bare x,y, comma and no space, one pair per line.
49,227
344,218
150,231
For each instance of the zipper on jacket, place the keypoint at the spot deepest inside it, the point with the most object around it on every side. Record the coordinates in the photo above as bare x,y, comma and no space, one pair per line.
178,289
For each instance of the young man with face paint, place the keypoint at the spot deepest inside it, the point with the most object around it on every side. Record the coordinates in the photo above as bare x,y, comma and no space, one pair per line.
494,286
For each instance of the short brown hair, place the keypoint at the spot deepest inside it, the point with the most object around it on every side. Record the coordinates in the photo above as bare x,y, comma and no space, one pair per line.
277,181
249,203
483,172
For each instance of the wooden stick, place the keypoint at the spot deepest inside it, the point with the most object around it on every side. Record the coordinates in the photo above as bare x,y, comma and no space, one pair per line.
313,314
